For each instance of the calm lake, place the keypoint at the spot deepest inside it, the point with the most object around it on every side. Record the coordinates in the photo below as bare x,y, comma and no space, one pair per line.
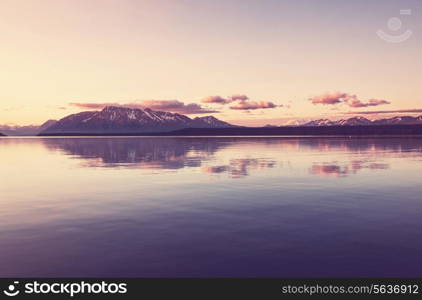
201,207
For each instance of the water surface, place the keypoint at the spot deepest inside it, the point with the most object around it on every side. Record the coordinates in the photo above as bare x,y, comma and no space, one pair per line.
202,207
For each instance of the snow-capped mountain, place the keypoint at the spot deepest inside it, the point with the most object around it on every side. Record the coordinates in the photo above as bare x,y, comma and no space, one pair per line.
354,121
399,120
358,121
320,122
113,119
295,122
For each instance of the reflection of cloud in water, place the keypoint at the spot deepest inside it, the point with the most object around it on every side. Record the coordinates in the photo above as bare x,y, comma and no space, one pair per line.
342,170
238,168
234,156
327,169
360,144
215,169
378,166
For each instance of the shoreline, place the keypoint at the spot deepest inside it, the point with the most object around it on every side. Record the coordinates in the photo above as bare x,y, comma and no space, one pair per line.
364,130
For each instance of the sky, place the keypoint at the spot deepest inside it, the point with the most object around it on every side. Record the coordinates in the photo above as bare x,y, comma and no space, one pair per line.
249,62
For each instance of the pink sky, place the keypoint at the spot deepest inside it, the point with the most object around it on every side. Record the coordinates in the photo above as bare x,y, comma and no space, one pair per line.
256,62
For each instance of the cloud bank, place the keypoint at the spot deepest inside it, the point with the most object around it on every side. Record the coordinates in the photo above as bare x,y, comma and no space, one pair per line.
237,101
174,106
398,111
345,98
242,102
372,102
222,100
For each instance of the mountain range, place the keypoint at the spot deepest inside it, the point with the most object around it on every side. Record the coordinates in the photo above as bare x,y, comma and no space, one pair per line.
123,120
116,119
359,121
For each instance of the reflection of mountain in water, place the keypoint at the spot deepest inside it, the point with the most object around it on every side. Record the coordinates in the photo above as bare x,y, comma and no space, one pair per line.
169,153
245,153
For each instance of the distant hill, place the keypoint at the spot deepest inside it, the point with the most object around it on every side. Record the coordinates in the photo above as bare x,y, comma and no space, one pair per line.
359,121
346,130
123,120
29,130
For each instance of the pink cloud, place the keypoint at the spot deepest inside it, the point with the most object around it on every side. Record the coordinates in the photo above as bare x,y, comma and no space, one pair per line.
372,102
348,99
241,97
222,100
92,106
242,102
251,105
329,98
216,99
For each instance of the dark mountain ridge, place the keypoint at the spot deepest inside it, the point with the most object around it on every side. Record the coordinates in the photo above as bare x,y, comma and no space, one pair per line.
118,120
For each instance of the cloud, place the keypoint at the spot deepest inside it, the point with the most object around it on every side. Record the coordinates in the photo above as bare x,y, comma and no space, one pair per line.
372,102
348,99
93,105
251,105
386,111
241,97
222,100
242,102
329,98
174,106
216,99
